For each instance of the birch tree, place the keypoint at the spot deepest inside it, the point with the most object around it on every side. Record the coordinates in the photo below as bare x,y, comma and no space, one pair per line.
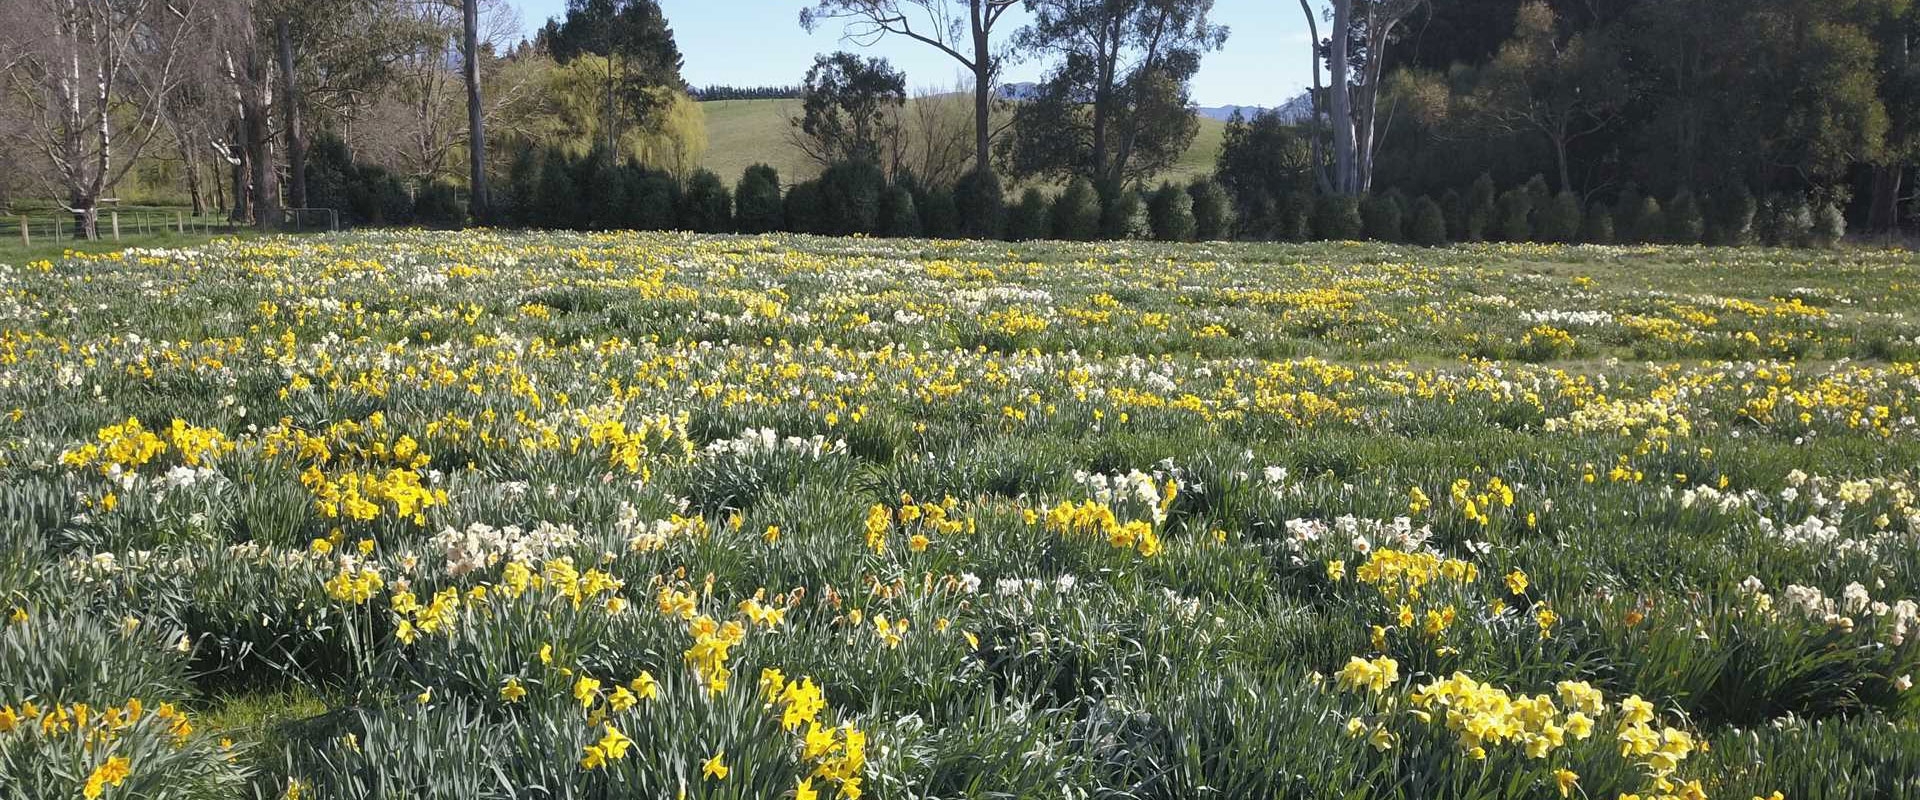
93,77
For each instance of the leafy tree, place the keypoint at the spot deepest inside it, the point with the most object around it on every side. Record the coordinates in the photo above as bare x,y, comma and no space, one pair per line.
1626,213
523,176
1732,217
1262,159
607,191
849,109
1790,220
1829,223
1115,106
570,113
638,52
756,200
961,29
1562,87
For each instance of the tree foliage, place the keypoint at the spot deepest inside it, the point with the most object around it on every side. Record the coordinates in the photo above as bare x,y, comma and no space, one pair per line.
849,109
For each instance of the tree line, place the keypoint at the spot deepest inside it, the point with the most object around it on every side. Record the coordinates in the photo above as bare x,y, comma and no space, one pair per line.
1782,105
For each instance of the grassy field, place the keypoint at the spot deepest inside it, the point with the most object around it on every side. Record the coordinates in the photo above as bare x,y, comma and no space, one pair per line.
506,515
741,133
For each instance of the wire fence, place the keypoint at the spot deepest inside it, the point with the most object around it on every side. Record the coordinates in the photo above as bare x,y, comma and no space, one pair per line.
46,227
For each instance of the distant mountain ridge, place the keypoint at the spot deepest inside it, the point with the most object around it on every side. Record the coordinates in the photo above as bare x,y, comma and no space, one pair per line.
1298,109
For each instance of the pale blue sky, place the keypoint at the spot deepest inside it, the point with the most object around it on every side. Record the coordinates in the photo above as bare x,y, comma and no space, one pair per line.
759,42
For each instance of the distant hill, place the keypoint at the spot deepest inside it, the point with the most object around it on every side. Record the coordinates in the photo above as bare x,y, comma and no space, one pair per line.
1299,109
741,133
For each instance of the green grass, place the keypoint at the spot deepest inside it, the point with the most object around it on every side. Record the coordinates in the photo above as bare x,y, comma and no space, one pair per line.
741,133
1140,502
11,250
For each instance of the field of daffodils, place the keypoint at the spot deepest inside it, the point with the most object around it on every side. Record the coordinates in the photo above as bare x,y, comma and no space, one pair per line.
495,515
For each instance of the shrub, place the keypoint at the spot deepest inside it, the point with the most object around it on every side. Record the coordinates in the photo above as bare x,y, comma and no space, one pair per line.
899,215
1212,210
850,197
331,176
939,217
437,206
1829,224
655,196
803,208
1537,190
1598,227
1626,213
1453,212
982,204
1337,218
1684,223
1429,223
1293,219
1792,221
607,192
1125,217
1381,216
1732,219
1028,219
523,176
706,207
1482,208
756,200
1649,222
1559,221
1170,214
1076,212
1515,216
556,201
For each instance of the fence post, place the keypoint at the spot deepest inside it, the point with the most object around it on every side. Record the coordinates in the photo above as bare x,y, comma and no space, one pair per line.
116,225
26,236
179,222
